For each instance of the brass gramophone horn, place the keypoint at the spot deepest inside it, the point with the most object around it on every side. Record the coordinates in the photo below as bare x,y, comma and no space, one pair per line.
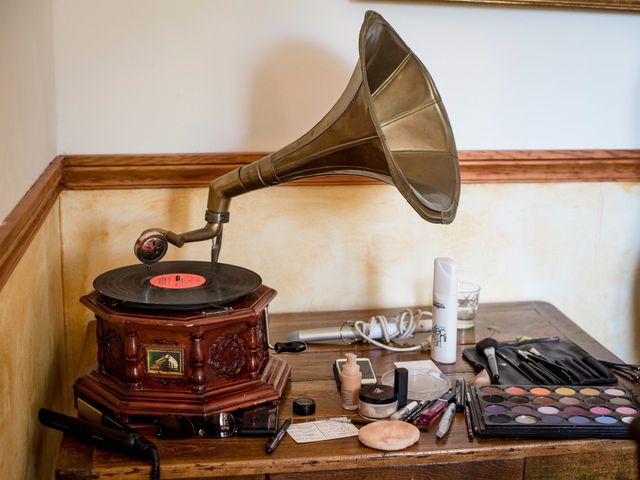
389,124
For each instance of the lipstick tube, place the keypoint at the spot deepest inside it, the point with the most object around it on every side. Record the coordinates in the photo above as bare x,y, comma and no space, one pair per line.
429,414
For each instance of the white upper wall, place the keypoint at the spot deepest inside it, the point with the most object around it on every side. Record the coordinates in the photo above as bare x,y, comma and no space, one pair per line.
213,75
207,75
27,97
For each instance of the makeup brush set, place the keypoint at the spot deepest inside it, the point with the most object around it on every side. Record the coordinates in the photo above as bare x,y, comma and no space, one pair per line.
543,361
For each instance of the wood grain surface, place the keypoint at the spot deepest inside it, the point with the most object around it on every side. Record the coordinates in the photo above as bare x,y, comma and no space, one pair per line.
453,456
86,172
481,470
596,465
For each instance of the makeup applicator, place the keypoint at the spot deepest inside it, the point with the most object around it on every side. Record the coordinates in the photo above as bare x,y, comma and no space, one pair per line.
487,347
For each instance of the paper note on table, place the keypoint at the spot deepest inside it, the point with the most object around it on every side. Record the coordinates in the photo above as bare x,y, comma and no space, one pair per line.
418,365
319,430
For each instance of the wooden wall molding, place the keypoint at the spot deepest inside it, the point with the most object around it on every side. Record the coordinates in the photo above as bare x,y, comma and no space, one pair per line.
88,172
96,172
25,220
548,166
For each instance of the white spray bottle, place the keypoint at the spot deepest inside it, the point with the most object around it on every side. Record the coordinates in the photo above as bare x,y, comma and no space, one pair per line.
445,311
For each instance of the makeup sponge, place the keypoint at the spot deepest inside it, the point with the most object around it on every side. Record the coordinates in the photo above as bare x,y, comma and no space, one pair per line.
389,435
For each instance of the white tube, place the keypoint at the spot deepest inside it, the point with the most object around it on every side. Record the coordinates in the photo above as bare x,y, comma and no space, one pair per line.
340,333
445,311
371,329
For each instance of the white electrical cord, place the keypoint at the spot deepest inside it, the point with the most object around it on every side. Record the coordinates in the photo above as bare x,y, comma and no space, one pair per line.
403,326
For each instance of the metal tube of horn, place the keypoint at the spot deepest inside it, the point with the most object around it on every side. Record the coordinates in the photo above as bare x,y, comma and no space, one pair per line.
389,124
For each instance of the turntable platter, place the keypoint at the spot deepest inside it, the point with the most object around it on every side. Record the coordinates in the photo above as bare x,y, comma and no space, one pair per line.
177,284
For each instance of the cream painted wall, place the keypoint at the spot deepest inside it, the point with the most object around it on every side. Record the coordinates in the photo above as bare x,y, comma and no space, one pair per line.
27,97
323,248
213,75
33,357
32,344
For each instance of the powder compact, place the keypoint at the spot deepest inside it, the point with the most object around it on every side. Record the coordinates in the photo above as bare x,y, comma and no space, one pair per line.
552,411
377,401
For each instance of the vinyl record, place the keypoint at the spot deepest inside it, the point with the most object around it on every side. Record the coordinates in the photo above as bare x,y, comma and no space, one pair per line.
179,284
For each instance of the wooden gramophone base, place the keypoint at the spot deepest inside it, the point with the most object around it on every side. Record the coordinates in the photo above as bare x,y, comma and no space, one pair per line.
189,362
124,402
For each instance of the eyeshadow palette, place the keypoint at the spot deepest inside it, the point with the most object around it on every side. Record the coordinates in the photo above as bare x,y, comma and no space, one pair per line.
552,411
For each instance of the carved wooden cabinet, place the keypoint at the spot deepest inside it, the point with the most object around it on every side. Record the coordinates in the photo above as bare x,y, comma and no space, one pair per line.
191,362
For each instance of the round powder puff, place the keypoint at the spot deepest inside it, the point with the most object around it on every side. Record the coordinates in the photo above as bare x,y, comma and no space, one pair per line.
389,435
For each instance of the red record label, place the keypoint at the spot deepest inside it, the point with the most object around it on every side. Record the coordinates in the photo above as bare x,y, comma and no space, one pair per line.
177,280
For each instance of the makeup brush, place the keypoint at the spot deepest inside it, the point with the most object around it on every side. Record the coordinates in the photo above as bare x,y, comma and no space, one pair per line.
487,347
625,371
540,367
626,365
549,363
515,366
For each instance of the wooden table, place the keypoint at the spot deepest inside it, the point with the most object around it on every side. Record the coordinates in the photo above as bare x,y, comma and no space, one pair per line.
453,457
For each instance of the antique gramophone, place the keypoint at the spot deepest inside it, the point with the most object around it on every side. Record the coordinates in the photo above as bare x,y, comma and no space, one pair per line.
192,337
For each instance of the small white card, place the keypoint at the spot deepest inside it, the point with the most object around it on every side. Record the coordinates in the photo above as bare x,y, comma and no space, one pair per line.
418,365
339,427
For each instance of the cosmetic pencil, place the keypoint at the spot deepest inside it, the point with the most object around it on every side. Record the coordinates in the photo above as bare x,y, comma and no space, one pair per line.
460,388
274,441
467,421
467,416
353,421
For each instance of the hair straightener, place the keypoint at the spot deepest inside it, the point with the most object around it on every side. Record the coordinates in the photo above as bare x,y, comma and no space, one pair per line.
122,437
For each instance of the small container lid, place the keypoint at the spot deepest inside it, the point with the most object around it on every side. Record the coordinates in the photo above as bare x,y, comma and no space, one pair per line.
304,406
377,394
444,277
